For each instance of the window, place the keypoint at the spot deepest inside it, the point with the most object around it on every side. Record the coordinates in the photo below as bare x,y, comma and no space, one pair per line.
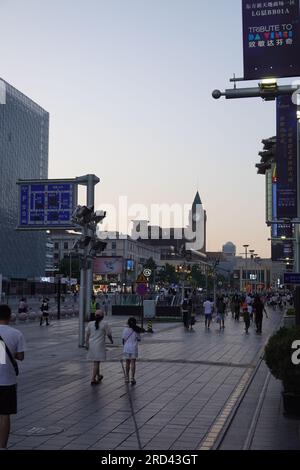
113,245
56,255
56,246
66,246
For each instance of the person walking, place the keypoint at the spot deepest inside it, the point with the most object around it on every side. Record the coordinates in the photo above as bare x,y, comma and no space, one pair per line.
237,307
94,308
208,309
45,311
232,306
246,315
96,333
130,339
12,349
259,308
23,307
221,310
185,312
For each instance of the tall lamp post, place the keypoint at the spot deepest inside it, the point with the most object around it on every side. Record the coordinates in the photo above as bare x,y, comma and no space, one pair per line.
251,266
246,266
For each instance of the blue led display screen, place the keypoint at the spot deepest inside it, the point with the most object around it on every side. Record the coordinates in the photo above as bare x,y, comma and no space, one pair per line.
47,205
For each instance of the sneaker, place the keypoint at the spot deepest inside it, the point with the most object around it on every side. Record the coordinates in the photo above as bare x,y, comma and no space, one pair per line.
126,379
133,382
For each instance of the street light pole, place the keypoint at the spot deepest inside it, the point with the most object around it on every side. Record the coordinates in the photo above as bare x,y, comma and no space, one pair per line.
251,266
86,272
297,227
246,266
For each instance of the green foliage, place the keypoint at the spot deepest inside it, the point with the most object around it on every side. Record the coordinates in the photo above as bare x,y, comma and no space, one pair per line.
168,275
198,277
150,264
278,357
64,267
291,312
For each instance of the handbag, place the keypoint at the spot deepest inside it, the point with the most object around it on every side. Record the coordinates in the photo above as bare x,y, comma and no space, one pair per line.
12,360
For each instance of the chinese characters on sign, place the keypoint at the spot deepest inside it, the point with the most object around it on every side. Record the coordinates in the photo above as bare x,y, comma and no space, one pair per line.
286,158
47,205
271,39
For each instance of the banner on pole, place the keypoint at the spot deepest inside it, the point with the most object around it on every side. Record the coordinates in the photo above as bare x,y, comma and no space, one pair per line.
271,39
286,158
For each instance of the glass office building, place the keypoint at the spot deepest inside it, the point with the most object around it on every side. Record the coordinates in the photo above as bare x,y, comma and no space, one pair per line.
24,135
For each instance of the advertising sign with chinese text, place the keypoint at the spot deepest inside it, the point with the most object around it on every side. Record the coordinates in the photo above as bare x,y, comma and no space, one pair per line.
286,158
46,204
271,39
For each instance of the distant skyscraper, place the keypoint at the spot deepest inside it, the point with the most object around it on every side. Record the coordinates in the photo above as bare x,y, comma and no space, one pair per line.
24,134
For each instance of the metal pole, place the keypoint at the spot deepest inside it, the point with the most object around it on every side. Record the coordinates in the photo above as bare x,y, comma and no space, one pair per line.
82,306
215,291
246,269
86,274
58,297
297,228
89,271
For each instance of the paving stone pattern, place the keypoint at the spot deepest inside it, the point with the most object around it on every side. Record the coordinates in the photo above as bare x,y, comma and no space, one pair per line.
184,379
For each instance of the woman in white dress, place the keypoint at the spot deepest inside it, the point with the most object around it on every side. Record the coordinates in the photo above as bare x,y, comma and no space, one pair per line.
95,342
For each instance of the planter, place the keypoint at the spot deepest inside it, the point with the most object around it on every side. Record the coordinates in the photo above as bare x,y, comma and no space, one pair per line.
291,404
289,321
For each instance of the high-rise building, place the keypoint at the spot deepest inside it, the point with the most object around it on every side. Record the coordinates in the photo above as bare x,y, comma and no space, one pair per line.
24,134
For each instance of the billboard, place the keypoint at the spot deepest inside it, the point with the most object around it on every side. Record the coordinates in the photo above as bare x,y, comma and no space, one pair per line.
271,39
286,157
129,265
46,204
106,265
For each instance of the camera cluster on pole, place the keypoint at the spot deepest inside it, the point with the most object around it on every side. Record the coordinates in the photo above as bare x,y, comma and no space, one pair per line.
88,245
268,156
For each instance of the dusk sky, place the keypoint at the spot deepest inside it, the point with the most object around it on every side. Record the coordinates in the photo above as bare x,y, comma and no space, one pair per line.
128,87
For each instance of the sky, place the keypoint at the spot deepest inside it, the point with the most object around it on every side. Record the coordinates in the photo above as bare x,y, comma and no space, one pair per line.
128,87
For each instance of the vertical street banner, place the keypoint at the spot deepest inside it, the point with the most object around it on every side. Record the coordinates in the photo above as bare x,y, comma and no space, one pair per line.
271,39
286,157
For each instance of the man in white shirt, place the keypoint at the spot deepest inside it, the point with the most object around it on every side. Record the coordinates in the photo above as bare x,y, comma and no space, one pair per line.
12,346
208,308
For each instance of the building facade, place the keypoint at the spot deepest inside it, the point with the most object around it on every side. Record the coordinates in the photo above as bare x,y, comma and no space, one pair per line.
258,274
63,243
24,136
122,261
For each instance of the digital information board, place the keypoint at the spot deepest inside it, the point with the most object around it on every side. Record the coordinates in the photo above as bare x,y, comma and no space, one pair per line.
46,204
292,279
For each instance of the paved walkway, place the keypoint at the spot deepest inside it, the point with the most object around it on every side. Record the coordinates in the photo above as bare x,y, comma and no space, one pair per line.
185,381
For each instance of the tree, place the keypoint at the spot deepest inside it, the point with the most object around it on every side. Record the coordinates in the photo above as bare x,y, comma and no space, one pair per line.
168,275
198,278
64,267
150,264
